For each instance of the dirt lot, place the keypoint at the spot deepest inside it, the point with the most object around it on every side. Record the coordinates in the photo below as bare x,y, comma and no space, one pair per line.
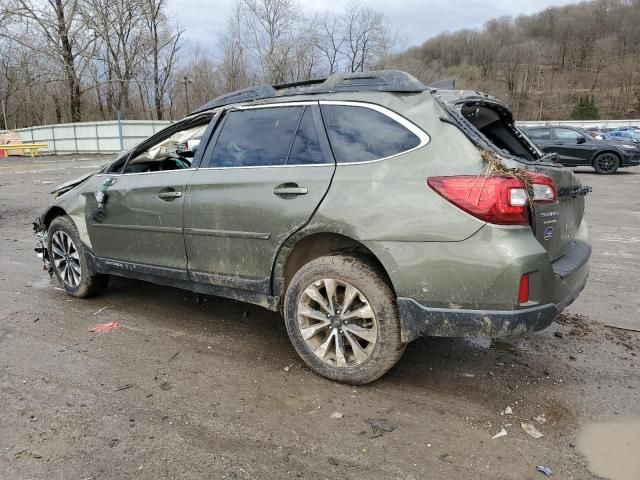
201,387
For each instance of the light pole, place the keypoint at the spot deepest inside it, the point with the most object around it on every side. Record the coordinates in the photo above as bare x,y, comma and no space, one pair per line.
186,81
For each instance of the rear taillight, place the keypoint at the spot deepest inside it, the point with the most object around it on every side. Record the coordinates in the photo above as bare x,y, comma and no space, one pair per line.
544,188
498,200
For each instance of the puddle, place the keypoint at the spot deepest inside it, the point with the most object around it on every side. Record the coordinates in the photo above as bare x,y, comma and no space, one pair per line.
612,448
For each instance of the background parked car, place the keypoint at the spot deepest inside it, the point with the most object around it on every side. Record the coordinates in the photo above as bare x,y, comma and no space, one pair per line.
627,135
577,148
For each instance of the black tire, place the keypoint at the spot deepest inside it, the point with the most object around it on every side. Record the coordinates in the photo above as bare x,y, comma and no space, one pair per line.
89,283
606,163
361,276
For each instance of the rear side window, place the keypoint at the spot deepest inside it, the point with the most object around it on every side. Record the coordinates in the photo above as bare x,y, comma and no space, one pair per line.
306,147
360,134
256,137
539,134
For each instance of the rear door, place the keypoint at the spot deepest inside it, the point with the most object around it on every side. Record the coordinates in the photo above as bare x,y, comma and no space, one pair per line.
262,177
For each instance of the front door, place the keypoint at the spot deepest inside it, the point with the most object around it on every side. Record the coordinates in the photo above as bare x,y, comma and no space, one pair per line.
572,147
263,175
143,221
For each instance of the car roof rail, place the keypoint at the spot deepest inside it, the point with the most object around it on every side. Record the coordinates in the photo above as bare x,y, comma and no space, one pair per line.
379,81
243,95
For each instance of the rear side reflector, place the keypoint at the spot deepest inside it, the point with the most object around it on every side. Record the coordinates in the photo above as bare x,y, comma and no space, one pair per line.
523,291
498,200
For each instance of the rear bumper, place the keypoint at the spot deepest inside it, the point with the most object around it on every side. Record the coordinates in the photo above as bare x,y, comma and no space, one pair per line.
559,286
418,320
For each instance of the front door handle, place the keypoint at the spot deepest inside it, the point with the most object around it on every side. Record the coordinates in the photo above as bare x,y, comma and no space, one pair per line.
290,190
168,196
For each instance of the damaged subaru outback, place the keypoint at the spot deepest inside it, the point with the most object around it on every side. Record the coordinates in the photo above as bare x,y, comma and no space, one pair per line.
369,209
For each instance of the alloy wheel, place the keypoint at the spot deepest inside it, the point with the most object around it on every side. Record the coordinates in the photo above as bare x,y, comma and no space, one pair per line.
66,258
607,162
337,323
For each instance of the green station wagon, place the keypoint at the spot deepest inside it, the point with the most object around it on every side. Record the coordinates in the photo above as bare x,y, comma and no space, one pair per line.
369,209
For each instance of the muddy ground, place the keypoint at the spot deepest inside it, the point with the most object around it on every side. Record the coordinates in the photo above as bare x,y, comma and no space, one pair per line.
201,387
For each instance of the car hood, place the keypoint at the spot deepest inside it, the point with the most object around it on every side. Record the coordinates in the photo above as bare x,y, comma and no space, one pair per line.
65,187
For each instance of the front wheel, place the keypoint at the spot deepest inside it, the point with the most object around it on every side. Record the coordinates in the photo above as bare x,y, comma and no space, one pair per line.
342,319
68,258
606,163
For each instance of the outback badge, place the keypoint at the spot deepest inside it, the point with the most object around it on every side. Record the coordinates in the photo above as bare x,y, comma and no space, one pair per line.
548,233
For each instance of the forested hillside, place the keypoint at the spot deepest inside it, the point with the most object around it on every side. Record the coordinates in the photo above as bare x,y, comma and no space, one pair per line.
545,63
75,60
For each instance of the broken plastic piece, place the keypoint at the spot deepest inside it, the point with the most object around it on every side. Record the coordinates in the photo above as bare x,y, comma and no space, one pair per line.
531,430
546,470
501,433
105,327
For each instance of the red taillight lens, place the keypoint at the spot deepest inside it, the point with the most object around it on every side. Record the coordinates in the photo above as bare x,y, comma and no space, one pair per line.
523,291
499,200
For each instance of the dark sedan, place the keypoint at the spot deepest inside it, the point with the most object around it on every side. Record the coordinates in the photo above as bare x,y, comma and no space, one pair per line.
576,148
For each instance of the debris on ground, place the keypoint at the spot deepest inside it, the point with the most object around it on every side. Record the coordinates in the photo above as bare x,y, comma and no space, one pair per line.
468,375
105,327
546,470
100,310
380,425
531,430
288,367
501,433
508,411
337,415
124,387
558,334
541,419
173,357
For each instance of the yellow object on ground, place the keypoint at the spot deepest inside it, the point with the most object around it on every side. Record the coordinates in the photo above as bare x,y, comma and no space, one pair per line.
34,148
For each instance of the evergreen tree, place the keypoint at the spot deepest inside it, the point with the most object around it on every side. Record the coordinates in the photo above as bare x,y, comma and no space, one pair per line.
585,109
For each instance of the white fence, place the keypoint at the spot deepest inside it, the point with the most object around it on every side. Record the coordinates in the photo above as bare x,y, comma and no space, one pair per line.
92,137
114,136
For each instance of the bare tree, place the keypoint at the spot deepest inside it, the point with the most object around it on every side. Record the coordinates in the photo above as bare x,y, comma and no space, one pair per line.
330,39
52,28
234,69
165,44
366,37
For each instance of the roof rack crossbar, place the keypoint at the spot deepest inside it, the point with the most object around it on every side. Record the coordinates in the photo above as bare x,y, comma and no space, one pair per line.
376,81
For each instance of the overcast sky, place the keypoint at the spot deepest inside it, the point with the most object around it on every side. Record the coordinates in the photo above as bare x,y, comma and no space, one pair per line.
417,20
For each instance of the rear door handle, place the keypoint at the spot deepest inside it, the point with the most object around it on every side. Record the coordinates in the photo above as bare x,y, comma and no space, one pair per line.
167,196
289,190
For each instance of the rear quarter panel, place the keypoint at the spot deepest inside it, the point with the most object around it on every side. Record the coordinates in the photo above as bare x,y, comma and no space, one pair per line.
389,200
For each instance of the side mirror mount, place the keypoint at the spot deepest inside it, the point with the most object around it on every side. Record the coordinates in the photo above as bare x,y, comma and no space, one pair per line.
581,140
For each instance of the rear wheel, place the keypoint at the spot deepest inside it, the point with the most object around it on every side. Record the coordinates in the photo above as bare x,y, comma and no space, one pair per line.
68,258
606,163
342,319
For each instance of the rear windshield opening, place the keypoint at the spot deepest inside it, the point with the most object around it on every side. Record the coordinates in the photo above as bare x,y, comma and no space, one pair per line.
498,130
